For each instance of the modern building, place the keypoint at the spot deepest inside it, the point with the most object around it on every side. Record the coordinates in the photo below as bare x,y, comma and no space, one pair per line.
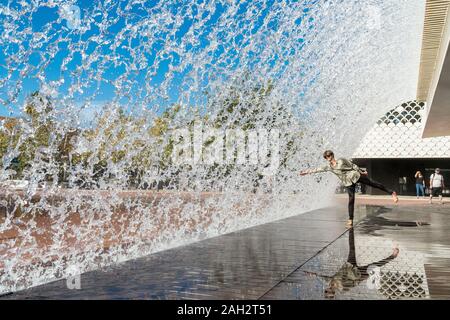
393,150
416,134
434,73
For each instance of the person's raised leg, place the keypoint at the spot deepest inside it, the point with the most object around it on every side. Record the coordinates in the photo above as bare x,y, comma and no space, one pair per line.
364,179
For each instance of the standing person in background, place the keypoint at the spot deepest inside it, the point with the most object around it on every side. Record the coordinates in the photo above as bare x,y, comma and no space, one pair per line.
420,184
436,185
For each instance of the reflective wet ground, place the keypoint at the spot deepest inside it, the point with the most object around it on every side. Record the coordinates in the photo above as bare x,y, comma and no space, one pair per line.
309,256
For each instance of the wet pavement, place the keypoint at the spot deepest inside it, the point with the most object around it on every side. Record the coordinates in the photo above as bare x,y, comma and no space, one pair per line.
309,256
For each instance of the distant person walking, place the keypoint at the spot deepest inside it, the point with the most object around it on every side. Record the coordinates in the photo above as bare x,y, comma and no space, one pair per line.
420,184
350,174
436,185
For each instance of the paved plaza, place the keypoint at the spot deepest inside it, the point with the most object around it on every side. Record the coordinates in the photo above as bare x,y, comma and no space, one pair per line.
302,257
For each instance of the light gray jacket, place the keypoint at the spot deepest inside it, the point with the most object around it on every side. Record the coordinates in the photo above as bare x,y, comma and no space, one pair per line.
345,170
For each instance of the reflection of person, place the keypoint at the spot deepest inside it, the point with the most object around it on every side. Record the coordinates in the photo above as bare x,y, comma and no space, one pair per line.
350,274
436,185
350,174
420,184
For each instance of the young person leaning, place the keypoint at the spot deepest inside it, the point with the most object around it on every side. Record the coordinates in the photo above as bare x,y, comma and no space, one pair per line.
349,174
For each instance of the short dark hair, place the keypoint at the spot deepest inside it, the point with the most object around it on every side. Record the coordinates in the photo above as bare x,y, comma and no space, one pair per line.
328,153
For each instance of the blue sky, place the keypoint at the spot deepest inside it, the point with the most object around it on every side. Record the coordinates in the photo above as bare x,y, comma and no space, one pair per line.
48,58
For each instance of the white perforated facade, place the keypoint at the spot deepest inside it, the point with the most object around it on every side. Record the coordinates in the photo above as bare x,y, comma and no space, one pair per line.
398,135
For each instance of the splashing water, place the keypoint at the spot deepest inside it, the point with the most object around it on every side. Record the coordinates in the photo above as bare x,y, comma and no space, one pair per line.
121,112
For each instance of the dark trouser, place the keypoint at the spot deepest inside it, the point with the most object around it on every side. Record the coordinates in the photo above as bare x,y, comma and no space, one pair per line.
419,190
351,248
436,192
351,192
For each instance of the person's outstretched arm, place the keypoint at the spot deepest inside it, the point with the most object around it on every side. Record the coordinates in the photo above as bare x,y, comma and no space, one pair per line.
315,274
311,171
